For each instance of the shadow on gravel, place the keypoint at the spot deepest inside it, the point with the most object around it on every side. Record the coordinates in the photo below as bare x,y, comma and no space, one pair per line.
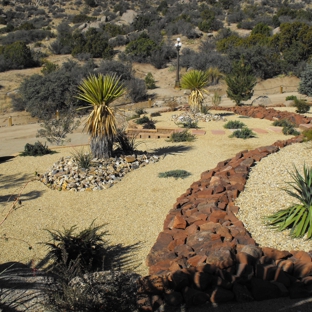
24,197
4,159
171,150
21,287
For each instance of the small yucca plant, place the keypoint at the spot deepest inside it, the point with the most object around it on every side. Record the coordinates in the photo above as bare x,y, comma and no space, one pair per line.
298,217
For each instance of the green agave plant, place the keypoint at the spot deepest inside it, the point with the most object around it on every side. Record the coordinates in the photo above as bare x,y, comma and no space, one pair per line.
298,217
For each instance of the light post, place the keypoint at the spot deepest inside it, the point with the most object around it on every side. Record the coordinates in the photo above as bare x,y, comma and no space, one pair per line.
178,47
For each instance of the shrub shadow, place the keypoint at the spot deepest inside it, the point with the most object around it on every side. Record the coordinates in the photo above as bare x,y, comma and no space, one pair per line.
171,150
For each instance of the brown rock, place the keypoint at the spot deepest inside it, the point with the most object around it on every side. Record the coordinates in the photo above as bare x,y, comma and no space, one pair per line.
222,258
196,260
275,254
286,265
202,280
173,298
302,269
302,256
179,222
184,251
266,272
241,293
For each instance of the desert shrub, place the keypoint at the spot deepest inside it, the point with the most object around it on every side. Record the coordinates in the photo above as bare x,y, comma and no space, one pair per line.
114,67
189,124
142,120
155,114
48,67
172,105
44,95
82,158
140,111
27,36
149,125
244,133
141,48
16,56
150,81
125,144
56,130
37,149
234,124
88,247
305,85
136,89
291,98
302,106
290,130
307,135
178,173
297,217
183,136
82,18
282,123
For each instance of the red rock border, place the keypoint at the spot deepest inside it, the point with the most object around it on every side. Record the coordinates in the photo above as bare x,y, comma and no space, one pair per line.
204,253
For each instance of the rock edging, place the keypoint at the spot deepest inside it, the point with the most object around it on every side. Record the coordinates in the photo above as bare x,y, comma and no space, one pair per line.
204,253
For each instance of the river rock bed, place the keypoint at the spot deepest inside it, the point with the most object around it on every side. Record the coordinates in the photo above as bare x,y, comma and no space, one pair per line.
67,175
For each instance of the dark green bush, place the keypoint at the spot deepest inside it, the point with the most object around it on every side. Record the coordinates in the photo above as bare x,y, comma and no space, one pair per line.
150,81
155,114
234,124
244,133
290,130
175,174
291,98
37,149
142,120
149,125
302,106
183,136
282,123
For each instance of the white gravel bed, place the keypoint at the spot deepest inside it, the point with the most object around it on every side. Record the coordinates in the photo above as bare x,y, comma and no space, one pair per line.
263,195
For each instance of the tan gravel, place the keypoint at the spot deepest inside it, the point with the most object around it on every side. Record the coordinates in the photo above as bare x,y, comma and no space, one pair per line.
264,195
134,209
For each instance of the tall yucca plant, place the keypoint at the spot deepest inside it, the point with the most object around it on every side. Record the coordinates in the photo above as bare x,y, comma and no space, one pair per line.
196,81
298,217
100,91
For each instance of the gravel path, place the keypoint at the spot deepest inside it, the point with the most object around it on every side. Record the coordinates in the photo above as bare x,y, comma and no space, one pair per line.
263,196
133,209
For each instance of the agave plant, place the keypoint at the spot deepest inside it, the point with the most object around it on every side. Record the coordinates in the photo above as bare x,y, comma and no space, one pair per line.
298,217
196,81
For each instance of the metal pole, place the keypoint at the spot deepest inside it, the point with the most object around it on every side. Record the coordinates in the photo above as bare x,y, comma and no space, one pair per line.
178,70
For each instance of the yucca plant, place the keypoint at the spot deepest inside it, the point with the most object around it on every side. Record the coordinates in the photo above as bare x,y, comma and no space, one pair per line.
298,217
100,91
196,81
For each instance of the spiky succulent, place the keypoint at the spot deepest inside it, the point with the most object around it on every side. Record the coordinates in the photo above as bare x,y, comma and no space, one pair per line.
298,217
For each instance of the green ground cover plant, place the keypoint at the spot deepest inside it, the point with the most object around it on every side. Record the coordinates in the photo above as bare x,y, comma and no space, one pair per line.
234,124
183,136
178,173
307,135
297,217
288,127
244,133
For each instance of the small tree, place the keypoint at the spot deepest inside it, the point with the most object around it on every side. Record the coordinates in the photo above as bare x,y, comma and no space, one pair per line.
305,85
240,82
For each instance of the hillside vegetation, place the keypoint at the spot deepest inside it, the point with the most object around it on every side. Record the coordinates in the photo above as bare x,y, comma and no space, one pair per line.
272,37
